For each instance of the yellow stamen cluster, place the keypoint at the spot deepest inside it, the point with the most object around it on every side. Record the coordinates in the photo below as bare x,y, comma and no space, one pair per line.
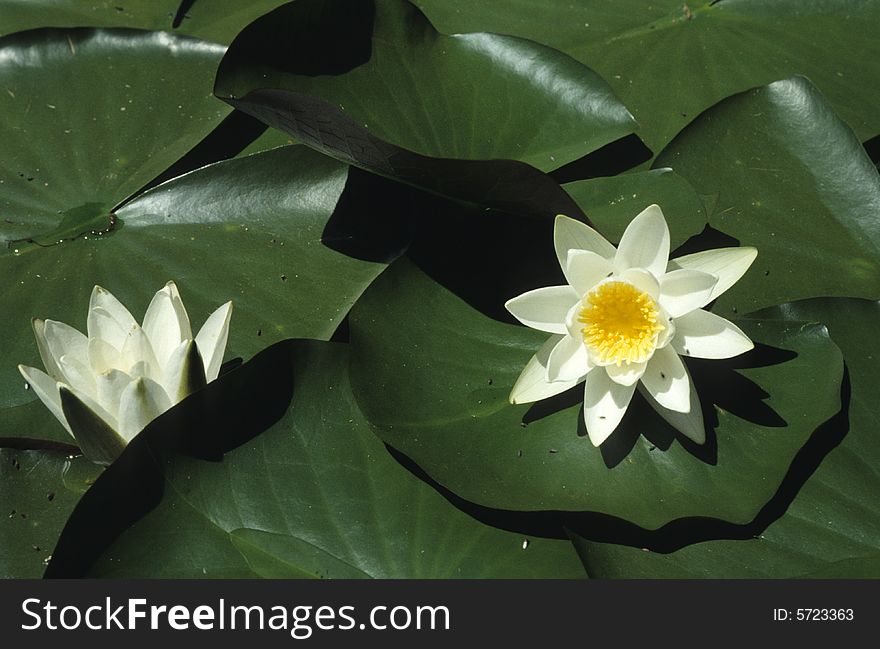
621,323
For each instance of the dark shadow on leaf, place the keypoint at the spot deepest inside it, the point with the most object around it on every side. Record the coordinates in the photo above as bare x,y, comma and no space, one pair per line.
374,219
184,7
557,403
546,524
872,148
613,158
686,531
708,239
205,425
484,256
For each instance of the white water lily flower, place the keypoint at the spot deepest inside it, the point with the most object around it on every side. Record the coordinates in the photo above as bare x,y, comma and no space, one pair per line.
106,387
625,318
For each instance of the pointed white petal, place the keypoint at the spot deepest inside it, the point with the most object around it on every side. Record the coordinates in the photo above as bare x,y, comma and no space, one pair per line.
211,340
46,389
605,403
705,335
584,269
727,264
645,243
142,401
569,234
626,373
532,384
64,340
108,319
48,359
109,387
682,291
185,372
544,308
166,323
690,424
642,280
568,360
137,357
666,379
98,439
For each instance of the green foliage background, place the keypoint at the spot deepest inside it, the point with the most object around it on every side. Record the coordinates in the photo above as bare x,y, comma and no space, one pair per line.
405,188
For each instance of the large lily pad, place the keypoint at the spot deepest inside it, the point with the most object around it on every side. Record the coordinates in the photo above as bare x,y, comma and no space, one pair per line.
38,490
372,83
788,177
249,230
433,377
88,119
669,60
314,495
213,20
832,528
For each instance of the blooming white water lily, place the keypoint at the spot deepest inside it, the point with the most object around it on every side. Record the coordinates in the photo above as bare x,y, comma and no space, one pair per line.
107,386
625,318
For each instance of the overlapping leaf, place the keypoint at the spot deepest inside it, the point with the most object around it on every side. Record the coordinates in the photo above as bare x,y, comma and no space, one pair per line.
669,60
373,84
788,177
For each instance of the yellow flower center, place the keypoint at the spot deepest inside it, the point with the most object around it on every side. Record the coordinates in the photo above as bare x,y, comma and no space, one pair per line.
621,323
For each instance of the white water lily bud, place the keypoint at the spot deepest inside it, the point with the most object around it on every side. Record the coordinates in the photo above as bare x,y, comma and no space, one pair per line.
105,387
624,318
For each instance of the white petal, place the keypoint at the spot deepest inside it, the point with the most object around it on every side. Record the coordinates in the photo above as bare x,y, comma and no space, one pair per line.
77,375
666,379
166,322
92,404
682,291
544,308
645,243
642,280
727,264
96,437
705,335
46,388
211,340
569,234
690,424
64,340
626,373
48,359
568,360
605,403
584,269
109,387
185,372
137,357
142,401
108,319
103,357
532,384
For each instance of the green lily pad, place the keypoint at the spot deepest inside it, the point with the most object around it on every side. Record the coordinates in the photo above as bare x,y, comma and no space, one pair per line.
38,490
315,494
832,527
216,20
88,120
324,70
433,375
789,177
248,230
669,60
